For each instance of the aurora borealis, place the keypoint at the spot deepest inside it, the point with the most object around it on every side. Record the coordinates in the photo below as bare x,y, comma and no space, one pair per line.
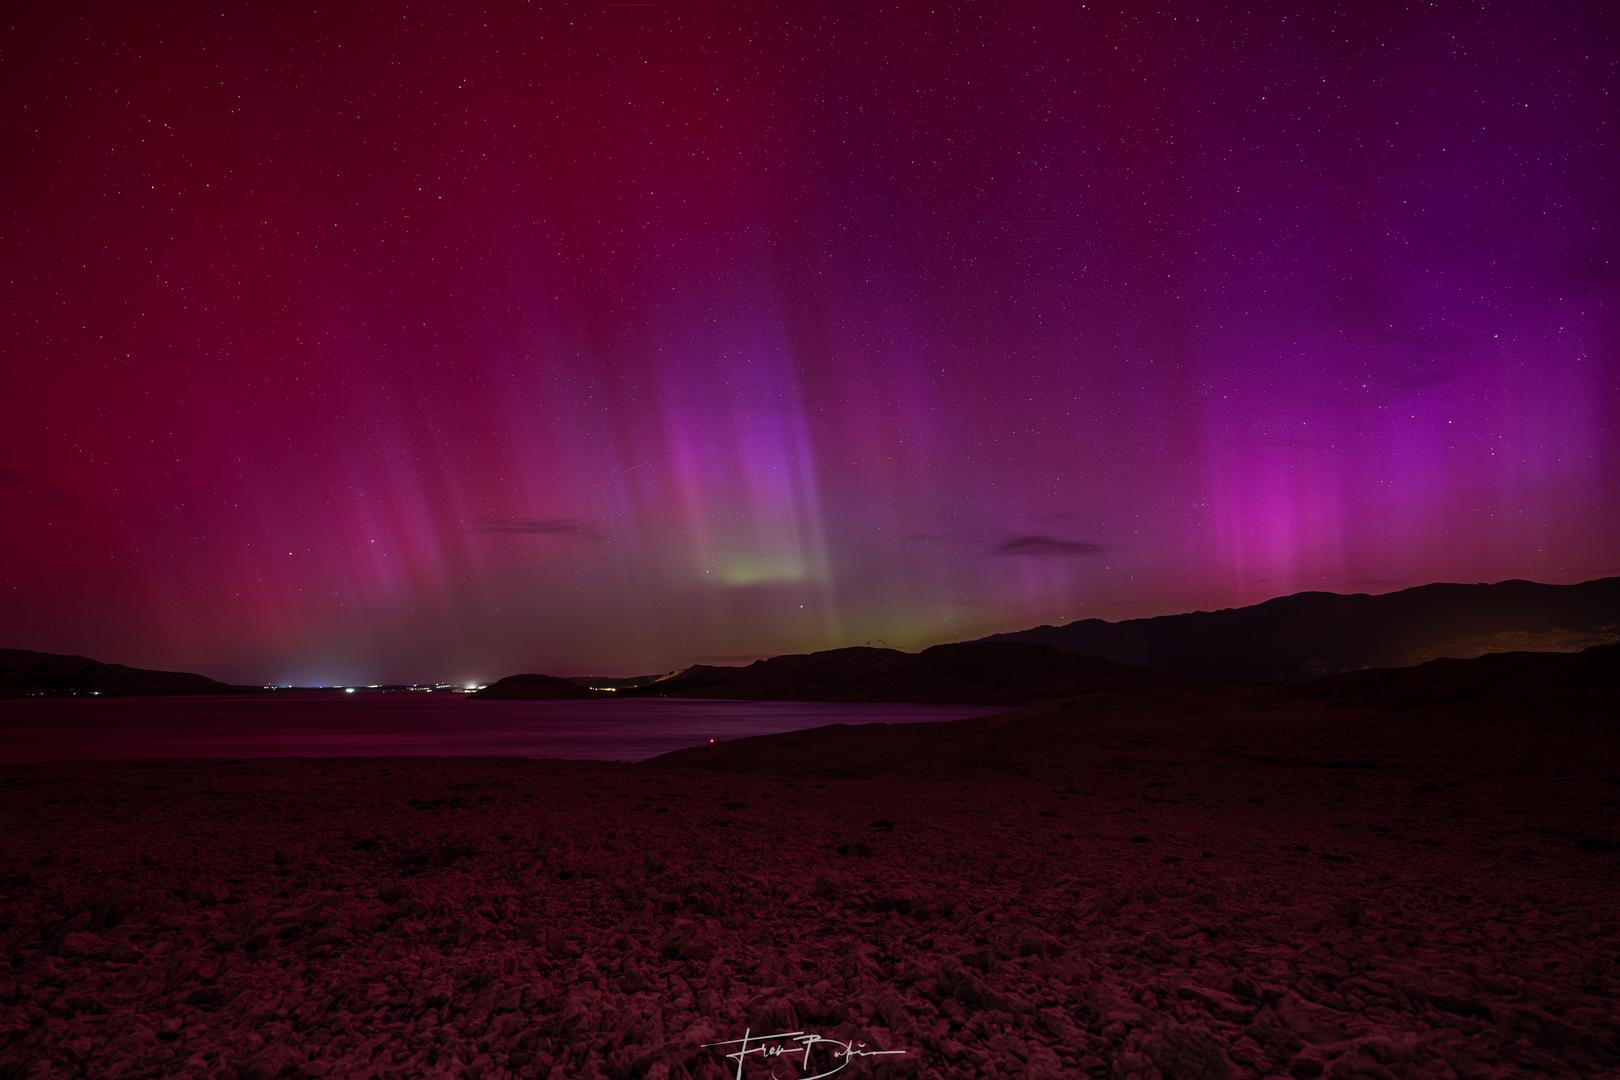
381,343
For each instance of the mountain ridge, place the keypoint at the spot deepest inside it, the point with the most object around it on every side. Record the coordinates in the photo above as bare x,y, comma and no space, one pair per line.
1009,673
1307,635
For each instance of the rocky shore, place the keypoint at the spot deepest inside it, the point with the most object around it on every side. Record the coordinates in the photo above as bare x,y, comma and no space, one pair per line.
1082,889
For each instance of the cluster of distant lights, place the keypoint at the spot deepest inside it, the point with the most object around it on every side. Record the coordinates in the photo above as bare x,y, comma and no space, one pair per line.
420,688
464,688
440,688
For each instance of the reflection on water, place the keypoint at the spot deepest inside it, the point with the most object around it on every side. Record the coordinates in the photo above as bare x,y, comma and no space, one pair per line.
330,725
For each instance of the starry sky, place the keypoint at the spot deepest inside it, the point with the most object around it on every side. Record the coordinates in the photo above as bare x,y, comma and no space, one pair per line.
353,343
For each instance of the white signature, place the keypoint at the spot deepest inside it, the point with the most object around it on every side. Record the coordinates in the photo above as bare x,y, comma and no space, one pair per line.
798,1045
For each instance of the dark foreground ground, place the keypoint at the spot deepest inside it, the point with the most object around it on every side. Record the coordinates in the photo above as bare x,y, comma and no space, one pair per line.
1234,887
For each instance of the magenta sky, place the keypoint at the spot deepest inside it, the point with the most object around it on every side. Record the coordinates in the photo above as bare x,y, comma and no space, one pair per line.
370,346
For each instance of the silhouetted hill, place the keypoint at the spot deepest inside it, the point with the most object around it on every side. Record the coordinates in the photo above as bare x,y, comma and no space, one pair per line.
532,687
984,674
24,673
1314,634
1496,678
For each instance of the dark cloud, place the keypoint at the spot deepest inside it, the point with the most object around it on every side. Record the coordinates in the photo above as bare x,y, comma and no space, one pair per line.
1046,546
11,476
538,527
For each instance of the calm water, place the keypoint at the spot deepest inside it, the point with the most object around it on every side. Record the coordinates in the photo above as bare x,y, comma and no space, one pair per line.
330,725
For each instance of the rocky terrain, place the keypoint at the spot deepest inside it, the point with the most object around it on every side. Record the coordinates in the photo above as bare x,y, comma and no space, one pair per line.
1151,884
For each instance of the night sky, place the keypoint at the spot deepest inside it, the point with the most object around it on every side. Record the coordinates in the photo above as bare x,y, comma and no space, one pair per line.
357,344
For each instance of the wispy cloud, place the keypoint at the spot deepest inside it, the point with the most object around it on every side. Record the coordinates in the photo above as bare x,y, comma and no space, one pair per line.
1047,546
537,527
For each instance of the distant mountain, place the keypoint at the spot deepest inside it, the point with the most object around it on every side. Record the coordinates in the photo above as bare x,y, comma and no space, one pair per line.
1496,678
30,674
532,687
981,674
1313,634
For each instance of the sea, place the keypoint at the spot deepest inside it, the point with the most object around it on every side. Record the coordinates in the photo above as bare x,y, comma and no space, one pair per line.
373,724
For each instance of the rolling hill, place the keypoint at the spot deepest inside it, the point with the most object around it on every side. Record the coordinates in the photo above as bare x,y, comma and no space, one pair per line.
24,673
1314,634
